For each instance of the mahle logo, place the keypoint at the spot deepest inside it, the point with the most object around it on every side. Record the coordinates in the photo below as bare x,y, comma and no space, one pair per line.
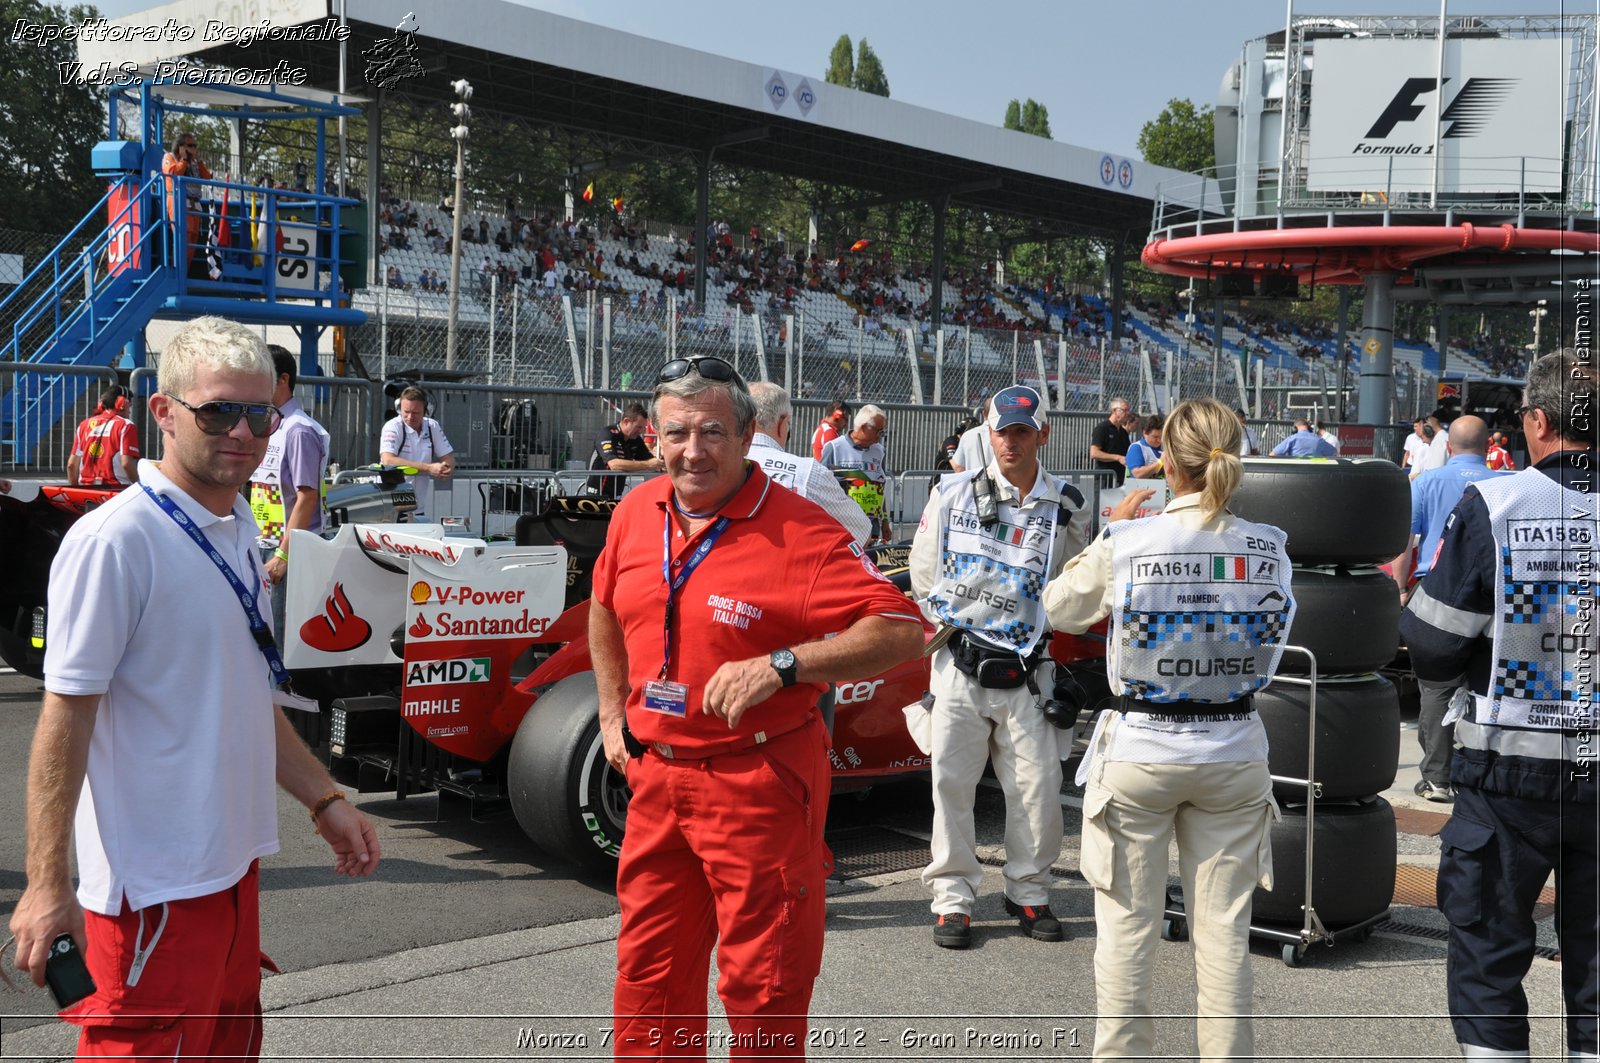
446,673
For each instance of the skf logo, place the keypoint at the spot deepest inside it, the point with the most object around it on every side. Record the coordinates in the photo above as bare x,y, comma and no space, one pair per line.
1468,112
447,673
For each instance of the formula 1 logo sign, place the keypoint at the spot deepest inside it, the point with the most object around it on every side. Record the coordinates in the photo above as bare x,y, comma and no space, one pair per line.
1383,119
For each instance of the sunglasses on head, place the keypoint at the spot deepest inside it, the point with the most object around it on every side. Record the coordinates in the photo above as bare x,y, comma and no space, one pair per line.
219,418
708,367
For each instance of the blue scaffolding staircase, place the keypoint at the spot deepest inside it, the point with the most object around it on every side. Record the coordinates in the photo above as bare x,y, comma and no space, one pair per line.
171,247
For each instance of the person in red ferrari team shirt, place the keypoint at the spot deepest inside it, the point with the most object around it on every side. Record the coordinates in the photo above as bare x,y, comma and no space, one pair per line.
709,665
829,428
1499,458
105,451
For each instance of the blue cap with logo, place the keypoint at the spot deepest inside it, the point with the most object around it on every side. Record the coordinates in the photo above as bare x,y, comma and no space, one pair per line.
1017,404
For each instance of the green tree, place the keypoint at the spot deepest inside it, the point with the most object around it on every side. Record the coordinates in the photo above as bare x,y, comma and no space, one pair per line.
869,71
1036,119
46,128
841,63
1030,117
1180,137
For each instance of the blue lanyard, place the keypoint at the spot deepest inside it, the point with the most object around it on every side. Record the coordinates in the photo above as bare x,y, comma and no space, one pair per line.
258,627
675,583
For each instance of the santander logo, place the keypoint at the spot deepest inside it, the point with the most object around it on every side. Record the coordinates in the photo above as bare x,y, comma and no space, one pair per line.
338,629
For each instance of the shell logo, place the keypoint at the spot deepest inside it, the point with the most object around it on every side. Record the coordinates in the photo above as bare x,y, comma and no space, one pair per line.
421,593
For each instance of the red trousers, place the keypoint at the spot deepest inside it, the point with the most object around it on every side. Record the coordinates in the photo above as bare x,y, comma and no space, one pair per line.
728,848
197,991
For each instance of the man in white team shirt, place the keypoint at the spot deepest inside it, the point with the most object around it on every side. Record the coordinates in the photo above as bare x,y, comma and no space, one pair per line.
414,439
803,476
160,732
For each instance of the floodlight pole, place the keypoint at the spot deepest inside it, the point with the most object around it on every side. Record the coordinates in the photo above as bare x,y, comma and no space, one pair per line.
463,92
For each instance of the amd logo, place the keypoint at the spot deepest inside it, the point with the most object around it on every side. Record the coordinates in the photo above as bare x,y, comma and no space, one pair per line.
1467,113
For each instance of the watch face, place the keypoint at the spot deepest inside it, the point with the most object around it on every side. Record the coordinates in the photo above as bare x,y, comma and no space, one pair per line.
782,659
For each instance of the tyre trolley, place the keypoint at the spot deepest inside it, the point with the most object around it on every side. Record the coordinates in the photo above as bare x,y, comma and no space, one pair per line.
1296,943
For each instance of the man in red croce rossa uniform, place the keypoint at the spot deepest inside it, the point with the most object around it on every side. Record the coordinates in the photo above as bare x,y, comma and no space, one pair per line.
711,604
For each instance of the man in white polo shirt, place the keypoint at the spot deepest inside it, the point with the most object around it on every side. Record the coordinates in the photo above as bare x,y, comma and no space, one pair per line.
161,732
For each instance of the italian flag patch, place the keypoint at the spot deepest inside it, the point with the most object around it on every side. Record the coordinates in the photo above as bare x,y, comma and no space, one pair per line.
1008,533
1229,568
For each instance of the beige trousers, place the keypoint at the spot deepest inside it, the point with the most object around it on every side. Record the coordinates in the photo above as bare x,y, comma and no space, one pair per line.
1221,816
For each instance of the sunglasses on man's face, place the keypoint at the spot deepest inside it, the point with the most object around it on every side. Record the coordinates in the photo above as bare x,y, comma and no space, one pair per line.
219,418
708,367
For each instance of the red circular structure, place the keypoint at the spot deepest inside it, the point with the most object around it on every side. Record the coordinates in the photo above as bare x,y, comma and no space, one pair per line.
1345,255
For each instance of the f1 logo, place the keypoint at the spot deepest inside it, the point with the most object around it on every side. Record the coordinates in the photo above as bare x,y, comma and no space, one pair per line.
1477,101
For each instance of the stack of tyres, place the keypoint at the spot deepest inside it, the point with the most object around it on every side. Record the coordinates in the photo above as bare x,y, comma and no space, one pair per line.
1343,518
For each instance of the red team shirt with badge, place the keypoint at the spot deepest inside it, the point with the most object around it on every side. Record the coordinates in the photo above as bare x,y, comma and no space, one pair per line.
783,573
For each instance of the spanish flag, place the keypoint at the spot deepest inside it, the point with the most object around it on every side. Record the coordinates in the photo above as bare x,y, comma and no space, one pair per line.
588,193
861,245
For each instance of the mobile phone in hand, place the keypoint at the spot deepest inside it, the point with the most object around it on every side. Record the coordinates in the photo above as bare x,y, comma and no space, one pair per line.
65,972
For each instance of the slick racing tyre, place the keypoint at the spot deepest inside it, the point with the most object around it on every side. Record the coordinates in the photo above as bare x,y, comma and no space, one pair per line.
1335,511
566,796
1354,864
1358,737
1349,619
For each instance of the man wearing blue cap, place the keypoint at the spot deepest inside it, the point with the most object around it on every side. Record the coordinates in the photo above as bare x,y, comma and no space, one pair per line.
989,540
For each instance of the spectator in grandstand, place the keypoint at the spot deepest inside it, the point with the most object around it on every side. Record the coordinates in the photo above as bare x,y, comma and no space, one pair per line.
1108,446
804,476
416,440
105,450
1303,444
1144,453
1416,444
829,428
1434,495
620,448
1328,435
1498,456
1249,442
1182,756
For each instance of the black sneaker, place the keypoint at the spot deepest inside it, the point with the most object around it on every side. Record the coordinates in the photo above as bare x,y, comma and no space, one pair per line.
952,930
1040,923
1433,792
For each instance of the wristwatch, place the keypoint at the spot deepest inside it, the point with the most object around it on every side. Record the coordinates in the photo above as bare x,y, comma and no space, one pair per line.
784,664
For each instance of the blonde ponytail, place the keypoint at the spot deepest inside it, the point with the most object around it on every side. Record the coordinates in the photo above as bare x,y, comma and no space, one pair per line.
1201,440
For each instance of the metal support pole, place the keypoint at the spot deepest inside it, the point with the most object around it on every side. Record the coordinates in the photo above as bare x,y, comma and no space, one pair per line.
1044,378
672,325
572,340
494,317
791,379
605,342
1342,340
516,306
588,338
940,205
702,221
457,209
761,346
1377,345
938,366
966,367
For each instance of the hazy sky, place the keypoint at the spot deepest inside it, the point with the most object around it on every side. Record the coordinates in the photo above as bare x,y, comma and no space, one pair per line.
1103,69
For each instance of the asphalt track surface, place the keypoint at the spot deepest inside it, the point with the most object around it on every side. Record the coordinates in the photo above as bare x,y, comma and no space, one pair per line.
434,958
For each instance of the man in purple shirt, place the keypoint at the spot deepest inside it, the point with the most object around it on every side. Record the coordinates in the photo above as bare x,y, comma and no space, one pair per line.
286,488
